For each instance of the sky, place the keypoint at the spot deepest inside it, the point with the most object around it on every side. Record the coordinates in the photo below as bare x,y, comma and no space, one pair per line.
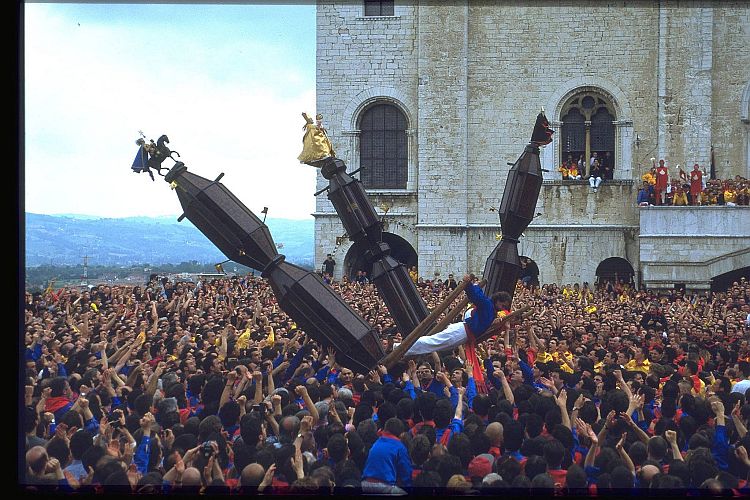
226,83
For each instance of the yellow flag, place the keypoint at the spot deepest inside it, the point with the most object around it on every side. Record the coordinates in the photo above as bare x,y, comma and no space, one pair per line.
243,341
141,338
271,338
49,287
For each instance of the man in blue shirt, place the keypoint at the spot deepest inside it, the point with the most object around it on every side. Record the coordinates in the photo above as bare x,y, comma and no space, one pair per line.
644,195
388,463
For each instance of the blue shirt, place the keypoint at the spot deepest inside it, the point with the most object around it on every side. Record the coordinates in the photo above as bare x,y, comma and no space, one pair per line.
142,454
720,447
643,196
483,314
444,435
434,387
388,461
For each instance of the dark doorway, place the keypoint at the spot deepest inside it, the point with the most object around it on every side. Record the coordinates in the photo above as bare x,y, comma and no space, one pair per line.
401,250
615,269
723,282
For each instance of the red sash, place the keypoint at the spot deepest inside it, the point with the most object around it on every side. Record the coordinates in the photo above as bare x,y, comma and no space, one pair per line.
471,355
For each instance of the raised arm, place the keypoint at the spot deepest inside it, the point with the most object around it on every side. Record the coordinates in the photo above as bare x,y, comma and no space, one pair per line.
562,403
671,437
301,390
507,391
155,318
624,454
460,406
227,392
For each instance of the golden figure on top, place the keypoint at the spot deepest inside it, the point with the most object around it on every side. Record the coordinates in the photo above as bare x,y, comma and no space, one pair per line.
315,144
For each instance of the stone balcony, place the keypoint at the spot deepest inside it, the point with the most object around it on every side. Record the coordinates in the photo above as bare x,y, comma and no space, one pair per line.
692,245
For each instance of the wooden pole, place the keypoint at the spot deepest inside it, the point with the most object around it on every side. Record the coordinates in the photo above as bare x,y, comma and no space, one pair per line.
455,311
394,356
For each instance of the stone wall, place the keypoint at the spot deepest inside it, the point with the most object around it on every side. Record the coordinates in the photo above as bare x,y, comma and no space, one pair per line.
692,245
730,76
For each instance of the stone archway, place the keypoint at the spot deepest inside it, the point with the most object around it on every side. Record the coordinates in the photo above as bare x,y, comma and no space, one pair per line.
401,250
623,125
615,269
724,281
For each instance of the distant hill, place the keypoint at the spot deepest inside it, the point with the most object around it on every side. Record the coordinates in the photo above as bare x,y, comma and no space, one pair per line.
65,239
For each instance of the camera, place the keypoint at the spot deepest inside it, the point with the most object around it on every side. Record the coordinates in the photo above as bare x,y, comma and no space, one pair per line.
207,450
114,419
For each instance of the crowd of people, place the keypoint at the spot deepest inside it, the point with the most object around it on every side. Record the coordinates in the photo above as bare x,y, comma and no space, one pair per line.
180,387
692,188
600,168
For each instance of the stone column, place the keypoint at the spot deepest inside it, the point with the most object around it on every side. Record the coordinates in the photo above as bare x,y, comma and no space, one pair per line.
661,77
587,160
443,185
551,155
412,159
623,149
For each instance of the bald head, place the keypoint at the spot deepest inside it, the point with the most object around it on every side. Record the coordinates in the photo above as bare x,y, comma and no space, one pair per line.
252,475
648,472
494,432
191,477
289,425
36,459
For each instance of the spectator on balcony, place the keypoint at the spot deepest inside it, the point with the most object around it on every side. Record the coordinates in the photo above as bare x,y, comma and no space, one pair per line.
573,173
649,177
595,175
696,184
662,181
743,192
565,168
645,195
730,194
607,166
679,196
594,158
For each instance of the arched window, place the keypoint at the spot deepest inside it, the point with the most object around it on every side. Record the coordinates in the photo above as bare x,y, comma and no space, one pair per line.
383,151
587,128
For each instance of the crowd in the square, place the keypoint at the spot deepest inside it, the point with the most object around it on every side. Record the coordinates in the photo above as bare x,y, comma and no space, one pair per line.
208,387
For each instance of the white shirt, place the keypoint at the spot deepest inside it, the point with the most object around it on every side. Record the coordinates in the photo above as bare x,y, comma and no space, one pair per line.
742,386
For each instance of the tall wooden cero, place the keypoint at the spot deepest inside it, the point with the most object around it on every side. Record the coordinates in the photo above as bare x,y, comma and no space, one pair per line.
301,294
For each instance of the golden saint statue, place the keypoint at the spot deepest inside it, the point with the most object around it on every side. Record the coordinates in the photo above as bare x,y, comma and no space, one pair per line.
315,144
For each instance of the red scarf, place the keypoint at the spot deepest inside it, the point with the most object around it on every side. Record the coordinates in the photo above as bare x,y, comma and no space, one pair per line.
471,356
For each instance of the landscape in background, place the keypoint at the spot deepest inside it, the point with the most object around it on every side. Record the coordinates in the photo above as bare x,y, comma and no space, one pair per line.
128,249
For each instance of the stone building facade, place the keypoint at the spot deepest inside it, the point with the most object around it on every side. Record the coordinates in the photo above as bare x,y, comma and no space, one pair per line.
467,79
